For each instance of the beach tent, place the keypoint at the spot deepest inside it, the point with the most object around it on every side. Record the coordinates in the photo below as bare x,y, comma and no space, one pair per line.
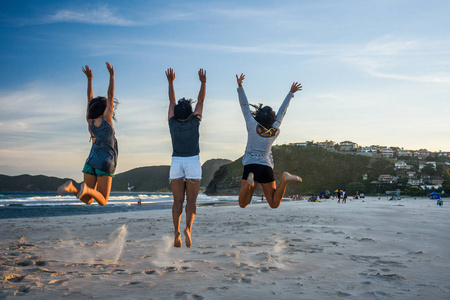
434,196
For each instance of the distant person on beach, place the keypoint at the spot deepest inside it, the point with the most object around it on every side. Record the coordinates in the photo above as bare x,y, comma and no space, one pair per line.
262,128
102,160
185,169
344,197
339,196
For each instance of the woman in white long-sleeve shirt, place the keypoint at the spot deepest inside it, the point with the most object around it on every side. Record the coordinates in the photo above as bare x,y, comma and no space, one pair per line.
262,128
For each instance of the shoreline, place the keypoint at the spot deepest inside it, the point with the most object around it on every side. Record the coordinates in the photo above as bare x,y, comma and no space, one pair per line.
15,211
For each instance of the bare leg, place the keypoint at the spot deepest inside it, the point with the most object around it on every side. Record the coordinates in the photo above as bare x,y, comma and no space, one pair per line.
192,189
67,187
91,182
178,191
101,195
274,194
250,179
246,193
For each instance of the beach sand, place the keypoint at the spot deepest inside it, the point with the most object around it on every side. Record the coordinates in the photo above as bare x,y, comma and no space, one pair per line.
376,249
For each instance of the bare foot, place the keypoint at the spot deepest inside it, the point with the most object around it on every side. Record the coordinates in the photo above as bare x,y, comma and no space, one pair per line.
187,238
250,179
67,187
82,190
288,177
177,240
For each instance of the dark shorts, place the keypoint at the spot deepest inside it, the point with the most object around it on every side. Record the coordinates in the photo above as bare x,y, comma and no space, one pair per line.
90,170
262,174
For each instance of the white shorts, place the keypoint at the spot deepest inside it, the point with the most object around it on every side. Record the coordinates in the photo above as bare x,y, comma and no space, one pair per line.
185,167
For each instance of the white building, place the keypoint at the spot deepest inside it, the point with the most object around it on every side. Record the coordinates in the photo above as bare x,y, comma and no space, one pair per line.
387,152
347,146
401,165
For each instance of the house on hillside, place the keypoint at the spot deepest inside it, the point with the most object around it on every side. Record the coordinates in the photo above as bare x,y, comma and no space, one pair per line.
437,182
374,148
411,174
443,154
387,152
401,165
366,150
302,144
348,146
425,178
406,153
414,181
327,144
387,179
421,154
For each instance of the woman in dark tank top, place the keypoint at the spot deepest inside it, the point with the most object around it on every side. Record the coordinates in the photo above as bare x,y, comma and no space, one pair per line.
185,168
102,160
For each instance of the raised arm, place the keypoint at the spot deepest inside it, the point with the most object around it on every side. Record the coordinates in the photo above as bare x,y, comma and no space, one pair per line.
90,93
282,110
170,78
244,102
201,94
108,114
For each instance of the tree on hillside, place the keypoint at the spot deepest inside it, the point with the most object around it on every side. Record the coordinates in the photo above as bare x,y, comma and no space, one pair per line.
428,169
353,187
446,183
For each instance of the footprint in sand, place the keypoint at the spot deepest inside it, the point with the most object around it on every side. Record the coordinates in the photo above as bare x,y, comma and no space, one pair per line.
342,294
267,269
390,277
22,246
57,281
22,289
238,278
14,277
187,295
24,263
366,240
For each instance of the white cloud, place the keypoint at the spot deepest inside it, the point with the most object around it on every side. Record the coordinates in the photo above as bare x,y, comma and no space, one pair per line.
101,15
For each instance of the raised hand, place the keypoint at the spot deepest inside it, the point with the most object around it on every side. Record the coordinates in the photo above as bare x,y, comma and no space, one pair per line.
87,71
240,79
202,75
170,75
110,69
296,87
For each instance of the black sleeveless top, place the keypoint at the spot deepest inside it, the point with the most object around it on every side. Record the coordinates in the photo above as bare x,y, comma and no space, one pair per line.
185,136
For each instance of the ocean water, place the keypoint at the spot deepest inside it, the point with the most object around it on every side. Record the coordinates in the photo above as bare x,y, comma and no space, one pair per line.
47,204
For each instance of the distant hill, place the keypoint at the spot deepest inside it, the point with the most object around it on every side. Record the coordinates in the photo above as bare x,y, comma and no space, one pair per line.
30,183
144,179
156,178
320,170
210,167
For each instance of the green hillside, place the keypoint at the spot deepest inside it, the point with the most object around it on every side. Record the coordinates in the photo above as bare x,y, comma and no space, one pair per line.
29,183
156,178
144,179
320,170
210,167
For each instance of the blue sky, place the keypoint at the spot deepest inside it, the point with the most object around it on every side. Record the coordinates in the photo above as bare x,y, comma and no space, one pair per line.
374,72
